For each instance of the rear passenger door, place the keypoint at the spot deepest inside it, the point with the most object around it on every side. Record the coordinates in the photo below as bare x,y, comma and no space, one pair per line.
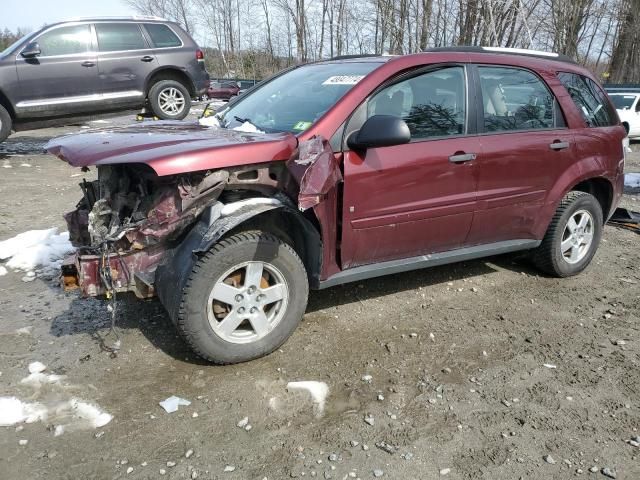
125,60
524,146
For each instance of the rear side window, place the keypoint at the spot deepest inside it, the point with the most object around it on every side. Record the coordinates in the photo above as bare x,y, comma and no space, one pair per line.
432,104
116,37
590,100
162,36
65,41
515,99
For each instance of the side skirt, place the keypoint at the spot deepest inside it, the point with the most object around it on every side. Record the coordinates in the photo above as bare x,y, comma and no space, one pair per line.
424,261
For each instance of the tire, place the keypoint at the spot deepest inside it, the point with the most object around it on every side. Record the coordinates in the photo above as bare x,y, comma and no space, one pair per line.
5,124
550,257
202,313
162,96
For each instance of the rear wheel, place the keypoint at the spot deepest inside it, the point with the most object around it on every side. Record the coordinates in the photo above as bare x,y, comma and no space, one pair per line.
244,298
5,124
573,236
170,100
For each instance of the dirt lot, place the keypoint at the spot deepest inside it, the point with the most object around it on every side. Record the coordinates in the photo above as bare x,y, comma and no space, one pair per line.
456,356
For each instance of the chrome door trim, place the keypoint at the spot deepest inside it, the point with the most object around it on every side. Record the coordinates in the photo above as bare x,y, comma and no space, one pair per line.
95,97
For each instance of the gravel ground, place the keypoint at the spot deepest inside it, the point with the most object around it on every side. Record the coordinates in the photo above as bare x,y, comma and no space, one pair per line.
453,359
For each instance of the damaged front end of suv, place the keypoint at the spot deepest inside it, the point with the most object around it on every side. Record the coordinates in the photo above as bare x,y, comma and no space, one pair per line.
142,224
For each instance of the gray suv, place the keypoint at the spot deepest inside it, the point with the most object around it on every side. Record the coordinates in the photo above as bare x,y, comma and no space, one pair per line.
101,65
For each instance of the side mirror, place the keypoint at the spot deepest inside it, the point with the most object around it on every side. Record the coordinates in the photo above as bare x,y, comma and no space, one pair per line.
32,50
380,131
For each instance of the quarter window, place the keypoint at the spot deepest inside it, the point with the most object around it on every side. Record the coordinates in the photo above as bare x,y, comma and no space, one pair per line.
432,104
65,41
115,37
590,100
514,99
162,36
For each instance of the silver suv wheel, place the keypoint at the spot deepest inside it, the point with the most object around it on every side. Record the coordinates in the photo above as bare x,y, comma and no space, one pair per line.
171,101
577,237
247,302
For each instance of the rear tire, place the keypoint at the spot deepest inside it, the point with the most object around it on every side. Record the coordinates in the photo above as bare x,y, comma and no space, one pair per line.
243,299
169,100
5,124
572,237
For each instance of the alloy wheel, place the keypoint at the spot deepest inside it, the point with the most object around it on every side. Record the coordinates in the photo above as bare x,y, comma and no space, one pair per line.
247,302
577,237
171,101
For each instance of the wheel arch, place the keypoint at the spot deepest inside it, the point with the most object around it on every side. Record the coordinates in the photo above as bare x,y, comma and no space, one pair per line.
4,101
599,187
277,218
170,73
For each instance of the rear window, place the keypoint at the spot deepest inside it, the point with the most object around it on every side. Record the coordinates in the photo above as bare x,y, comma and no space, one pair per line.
116,37
162,36
590,100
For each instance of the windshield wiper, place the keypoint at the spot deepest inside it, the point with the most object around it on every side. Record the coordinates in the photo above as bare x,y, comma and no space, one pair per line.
243,120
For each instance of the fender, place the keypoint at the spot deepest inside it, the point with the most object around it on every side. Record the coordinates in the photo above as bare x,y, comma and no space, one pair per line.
585,169
217,220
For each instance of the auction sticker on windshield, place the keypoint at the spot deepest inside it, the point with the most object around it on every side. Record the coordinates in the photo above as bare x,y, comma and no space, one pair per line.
301,125
343,80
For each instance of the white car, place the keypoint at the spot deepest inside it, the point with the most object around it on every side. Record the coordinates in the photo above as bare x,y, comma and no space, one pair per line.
628,106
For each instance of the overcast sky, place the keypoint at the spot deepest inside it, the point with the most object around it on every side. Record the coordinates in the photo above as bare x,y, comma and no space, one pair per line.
33,14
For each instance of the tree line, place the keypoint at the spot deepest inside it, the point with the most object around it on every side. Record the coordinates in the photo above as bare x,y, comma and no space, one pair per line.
255,38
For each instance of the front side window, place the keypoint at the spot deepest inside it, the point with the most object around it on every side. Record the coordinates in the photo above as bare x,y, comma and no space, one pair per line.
116,37
293,101
590,100
65,41
431,104
514,99
162,36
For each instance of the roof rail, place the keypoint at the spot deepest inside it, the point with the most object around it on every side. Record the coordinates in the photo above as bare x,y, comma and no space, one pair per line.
505,50
112,17
347,57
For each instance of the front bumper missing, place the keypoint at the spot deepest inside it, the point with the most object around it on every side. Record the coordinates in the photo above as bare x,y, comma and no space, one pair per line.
132,271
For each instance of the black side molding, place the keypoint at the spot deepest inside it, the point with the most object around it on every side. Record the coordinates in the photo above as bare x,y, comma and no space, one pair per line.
425,261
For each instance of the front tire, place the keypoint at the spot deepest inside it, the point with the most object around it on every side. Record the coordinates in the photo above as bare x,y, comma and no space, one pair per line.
244,298
572,237
5,124
169,100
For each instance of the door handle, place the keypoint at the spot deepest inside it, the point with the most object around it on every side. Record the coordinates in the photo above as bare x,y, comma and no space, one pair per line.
462,157
559,145
88,63
147,58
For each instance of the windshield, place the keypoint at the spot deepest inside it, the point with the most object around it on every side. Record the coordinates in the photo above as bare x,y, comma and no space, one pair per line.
293,101
623,102
10,48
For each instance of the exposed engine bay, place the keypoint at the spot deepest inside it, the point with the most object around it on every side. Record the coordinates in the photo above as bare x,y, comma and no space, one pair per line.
130,218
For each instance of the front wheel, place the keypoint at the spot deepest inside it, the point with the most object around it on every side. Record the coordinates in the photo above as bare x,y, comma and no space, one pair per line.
169,100
244,298
573,236
5,124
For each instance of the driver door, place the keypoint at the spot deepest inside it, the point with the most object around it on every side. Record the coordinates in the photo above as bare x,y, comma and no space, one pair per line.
413,199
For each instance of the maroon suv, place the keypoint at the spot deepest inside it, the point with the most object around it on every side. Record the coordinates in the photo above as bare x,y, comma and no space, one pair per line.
222,90
339,171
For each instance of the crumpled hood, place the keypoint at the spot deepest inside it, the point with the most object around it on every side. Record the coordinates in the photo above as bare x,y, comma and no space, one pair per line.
171,147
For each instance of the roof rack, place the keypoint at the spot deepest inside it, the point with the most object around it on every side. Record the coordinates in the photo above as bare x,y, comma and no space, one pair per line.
347,57
112,17
507,51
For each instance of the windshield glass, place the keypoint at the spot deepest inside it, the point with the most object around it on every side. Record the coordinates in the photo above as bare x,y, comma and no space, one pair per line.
9,49
623,101
296,99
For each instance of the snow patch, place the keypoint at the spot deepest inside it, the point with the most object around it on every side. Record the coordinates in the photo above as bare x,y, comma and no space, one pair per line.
13,410
44,249
248,127
210,121
172,403
37,367
3,271
317,390
230,208
38,379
